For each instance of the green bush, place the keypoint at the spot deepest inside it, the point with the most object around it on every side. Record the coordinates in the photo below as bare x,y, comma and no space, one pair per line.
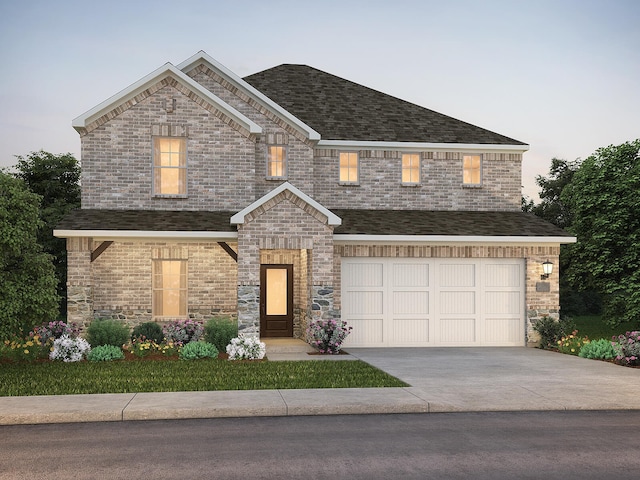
107,332
148,330
195,350
551,330
105,353
599,349
219,331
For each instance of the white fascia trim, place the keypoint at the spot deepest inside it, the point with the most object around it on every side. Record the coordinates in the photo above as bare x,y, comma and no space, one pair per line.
190,235
447,239
167,70
436,147
333,219
234,79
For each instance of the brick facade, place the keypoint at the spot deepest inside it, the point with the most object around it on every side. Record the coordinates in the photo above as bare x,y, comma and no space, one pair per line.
226,170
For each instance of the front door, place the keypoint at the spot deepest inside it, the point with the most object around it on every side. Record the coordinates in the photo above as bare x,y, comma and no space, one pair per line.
276,300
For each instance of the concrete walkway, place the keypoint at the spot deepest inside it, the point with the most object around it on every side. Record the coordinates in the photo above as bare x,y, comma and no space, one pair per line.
441,379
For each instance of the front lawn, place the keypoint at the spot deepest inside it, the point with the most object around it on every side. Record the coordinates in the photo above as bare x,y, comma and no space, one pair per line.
58,378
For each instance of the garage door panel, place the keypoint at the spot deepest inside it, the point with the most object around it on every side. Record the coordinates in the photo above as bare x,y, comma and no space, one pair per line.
415,303
508,303
363,274
503,275
457,275
410,275
457,302
410,331
364,303
502,331
366,332
458,330
434,301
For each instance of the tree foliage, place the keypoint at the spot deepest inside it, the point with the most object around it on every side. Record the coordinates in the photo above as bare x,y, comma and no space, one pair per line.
604,199
551,206
56,178
27,279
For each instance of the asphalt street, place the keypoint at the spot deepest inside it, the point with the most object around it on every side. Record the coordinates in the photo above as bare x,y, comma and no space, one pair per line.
484,445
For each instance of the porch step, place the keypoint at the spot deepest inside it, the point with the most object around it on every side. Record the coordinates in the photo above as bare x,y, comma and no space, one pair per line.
286,345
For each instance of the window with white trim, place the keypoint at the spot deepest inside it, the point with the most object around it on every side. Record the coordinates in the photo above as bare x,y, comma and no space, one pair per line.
410,168
169,288
276,161
472,170
169,166
349,167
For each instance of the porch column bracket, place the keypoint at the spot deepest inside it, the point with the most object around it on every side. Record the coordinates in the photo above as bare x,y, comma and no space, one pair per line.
232,253
101,248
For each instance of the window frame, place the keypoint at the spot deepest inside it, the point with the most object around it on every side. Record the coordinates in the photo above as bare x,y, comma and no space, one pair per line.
418,169
181,289
157,169
479,183
357,168
284,162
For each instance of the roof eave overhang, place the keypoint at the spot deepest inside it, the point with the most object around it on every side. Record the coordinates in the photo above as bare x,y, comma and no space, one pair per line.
343,239
167,70
148,234
420,146
228,75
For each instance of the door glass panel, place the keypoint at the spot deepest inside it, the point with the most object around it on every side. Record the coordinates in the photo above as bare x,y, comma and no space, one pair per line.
276,291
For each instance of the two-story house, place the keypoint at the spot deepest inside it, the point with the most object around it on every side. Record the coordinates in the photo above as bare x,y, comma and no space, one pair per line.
293,194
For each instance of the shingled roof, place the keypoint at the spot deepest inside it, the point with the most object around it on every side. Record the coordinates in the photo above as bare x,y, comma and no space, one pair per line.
343,110
354,222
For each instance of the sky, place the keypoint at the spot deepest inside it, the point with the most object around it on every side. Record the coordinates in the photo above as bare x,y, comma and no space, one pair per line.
560,75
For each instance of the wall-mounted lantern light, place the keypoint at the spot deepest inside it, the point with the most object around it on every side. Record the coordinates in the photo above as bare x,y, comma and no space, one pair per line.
547,269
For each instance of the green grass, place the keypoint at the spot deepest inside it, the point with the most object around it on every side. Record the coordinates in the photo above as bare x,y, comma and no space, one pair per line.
594,327
56,378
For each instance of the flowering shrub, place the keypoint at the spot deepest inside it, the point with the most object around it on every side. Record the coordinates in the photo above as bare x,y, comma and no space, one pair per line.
183,331
69,349
141,347
627,348
246,348
328,335
55,330
572,344
25,349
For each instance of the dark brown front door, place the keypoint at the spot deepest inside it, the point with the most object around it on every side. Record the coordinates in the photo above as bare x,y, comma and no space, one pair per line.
276,300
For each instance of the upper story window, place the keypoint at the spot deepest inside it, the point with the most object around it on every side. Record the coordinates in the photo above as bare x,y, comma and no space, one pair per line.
169,166
349,167
472,170
276,161
169,288
410,168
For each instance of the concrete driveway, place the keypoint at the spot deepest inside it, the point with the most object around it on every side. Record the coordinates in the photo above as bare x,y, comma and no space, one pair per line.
490,379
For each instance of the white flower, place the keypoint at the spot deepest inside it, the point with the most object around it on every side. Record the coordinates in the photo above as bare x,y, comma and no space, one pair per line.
246,348
69,349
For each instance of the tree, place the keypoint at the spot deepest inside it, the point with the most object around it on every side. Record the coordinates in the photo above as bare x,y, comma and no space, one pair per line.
551,206
27,279
56,178
604,199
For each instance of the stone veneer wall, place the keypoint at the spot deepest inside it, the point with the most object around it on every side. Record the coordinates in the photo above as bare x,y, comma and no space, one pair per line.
538,303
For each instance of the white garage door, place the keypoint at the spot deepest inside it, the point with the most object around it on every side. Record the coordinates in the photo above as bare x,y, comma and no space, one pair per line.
396,302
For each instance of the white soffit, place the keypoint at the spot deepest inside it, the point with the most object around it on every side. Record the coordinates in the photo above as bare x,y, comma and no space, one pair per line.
203,57
333,219
167,70
447,239
420,146
123,234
